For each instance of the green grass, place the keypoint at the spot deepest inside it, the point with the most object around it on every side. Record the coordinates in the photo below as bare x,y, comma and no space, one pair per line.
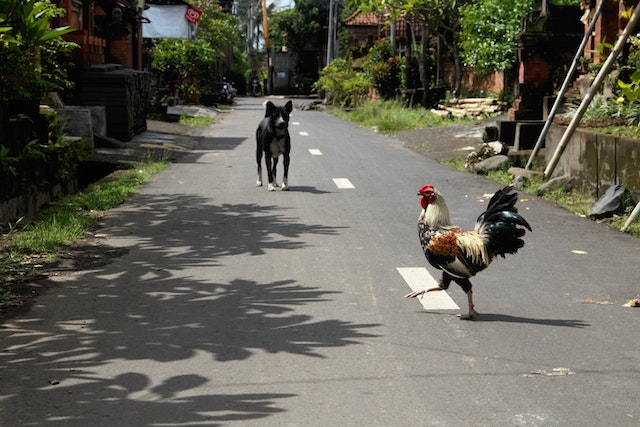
64,221
624,131
202,122
389,117
70,217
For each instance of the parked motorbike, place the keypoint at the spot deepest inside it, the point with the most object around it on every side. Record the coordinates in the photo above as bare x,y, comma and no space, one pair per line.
224,93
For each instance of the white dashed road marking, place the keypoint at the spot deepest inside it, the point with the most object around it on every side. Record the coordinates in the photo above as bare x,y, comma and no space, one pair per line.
315,152
343,183
295,123
419,278
303,133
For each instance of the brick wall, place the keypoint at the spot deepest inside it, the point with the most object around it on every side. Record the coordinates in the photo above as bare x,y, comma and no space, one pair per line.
120,52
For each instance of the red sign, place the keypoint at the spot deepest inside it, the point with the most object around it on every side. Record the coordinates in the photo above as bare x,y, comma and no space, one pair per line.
193,14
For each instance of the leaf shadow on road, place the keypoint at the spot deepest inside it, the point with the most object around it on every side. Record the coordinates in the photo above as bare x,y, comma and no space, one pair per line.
132,336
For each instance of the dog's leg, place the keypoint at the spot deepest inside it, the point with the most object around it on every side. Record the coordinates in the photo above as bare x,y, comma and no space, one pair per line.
259,159
285,178
273,172
259,181
268,161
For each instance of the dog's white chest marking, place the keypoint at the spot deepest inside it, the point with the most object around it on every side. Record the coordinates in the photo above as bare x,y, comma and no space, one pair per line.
277,146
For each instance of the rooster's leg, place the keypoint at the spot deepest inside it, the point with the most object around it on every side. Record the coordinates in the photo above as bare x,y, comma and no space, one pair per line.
421,292
444,284
472,312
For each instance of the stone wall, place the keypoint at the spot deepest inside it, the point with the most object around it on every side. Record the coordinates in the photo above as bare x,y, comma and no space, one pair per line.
599,160
125,95
38,180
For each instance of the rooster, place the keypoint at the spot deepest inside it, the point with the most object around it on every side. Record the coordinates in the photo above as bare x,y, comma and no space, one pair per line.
460,254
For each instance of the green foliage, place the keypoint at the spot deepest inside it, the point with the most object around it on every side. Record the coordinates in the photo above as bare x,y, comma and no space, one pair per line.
26,22
384,70
629,83
429,17
40,162
33,53
300,27
316,16
193,60
488,29
219,29
601,108
56,61
344,86
287,28
631,90
8,162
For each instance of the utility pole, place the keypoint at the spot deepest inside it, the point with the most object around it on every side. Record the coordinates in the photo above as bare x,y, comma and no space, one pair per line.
250,51
265,24
267,47
330,37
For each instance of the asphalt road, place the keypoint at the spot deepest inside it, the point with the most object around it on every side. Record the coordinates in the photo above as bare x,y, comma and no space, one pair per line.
234,306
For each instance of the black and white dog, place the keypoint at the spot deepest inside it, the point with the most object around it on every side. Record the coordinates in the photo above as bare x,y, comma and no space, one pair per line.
274,141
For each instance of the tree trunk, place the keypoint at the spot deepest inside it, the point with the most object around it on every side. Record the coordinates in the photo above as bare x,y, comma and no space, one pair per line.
424,75
421,58
457,62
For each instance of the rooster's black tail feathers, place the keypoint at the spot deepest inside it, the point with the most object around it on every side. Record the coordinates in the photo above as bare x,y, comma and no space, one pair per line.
499,223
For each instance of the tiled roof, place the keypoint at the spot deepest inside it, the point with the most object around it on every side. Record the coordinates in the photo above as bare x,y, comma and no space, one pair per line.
370,19
363,18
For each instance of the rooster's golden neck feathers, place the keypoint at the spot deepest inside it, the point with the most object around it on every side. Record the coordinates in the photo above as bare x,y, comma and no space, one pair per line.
435,212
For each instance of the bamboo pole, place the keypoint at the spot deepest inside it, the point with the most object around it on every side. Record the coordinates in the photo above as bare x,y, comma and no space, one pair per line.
633,216
604,71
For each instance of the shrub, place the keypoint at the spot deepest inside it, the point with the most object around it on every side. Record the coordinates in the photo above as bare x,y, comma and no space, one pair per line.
32,52
342,84
384,69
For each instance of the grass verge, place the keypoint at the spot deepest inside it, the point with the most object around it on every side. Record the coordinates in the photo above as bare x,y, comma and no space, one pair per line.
390,117
574,201
197,121
26,244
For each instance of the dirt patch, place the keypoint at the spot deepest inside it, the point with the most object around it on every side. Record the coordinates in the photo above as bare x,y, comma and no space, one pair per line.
592,123
446,142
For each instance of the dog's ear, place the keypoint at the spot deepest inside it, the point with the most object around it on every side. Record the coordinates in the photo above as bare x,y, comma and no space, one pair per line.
288,107
270,109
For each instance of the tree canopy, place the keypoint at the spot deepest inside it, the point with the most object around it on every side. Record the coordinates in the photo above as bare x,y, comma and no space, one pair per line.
488,30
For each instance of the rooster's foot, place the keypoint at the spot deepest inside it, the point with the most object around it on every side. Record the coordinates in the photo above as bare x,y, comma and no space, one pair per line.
468,316
472,310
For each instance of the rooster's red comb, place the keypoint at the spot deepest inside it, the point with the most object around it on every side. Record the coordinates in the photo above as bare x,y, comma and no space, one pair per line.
426,189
